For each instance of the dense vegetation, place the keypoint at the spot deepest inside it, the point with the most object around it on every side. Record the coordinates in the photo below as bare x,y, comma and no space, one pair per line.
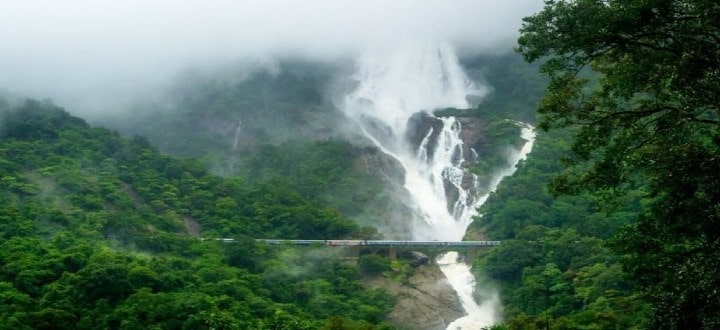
100,231
557,243
515,86
272,126
200,114
649,115
554,266
324,172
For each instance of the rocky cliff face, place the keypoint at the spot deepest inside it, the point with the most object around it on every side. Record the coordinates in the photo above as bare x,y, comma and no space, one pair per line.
425,302
417,129
485,147
473,133
393,210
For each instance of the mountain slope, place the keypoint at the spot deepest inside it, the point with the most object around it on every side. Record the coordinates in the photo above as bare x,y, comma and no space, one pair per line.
97,232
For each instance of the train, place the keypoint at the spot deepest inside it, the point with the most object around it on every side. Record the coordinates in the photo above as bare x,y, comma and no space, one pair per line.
365,242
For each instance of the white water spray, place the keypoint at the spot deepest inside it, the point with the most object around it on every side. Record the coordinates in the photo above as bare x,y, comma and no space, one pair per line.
462,280
392,87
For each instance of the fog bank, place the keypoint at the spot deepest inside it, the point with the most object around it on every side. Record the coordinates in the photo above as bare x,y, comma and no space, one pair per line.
90,53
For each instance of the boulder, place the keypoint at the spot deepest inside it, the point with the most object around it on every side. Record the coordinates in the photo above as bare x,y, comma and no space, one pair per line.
426,302
418,127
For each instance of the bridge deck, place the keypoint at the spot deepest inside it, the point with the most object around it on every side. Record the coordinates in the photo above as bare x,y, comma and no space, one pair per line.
376,243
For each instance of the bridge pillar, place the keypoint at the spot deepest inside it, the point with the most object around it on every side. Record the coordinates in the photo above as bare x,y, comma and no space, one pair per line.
350,253
471,255
392,253
432,256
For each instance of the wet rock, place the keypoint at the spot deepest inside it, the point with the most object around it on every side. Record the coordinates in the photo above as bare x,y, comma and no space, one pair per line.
425,302
418,127
395,222
384,166
474,135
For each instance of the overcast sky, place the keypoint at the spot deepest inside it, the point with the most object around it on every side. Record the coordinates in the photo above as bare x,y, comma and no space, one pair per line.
74,49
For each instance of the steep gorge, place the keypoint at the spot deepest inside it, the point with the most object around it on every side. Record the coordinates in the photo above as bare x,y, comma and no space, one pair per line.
246,139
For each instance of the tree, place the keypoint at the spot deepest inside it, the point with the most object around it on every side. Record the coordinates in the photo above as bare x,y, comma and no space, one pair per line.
14,306
639,80
106,275
373,264
96,232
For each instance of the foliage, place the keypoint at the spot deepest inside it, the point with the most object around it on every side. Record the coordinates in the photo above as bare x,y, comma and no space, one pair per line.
553,265
373,264
652,115
321,171
271,127
200,115
515,89
501,135
99,231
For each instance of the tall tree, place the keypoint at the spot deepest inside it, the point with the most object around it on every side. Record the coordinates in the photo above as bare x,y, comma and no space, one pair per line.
641,81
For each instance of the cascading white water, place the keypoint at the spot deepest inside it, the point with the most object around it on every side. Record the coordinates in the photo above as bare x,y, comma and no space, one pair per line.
237,134
458,273
394,86
462,280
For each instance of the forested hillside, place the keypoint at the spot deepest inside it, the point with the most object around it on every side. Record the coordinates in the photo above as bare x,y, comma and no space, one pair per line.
114,224
555,267
220,114
281,126
101,231
649,117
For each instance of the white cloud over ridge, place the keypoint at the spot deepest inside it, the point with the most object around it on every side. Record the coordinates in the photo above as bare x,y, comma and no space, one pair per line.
65,49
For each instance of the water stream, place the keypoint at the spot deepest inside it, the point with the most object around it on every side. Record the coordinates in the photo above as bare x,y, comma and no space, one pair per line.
237,134
392,87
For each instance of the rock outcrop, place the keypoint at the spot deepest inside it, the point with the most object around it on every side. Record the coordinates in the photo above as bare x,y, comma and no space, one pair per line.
394,222
474,136
418,127
425,302
473,133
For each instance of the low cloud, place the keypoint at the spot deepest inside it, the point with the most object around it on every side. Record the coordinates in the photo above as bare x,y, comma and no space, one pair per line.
86,53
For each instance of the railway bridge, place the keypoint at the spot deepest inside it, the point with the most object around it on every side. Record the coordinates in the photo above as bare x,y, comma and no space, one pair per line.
353,248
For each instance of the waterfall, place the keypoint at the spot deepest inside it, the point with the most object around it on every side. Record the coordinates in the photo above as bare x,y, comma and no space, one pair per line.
394,86
237,134
462,280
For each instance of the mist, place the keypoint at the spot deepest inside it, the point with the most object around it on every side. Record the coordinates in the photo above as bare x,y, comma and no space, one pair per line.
98,55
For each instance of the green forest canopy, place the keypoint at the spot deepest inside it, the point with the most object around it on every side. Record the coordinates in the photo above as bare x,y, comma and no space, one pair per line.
652,118
96,231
